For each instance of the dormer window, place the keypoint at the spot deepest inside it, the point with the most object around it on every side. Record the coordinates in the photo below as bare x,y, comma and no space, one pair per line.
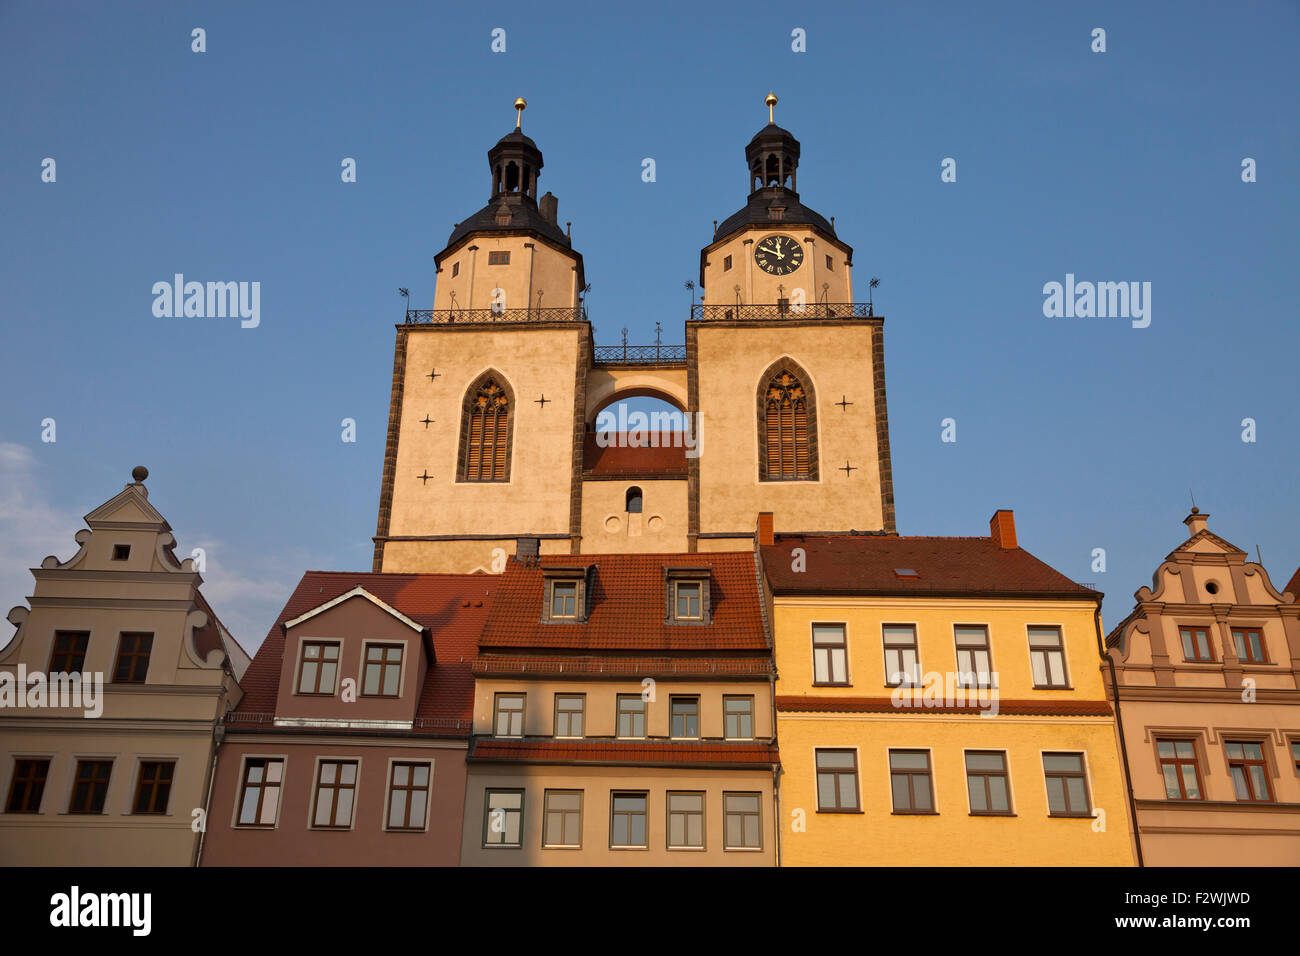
687,595
564,599
565,596
775,212
503,219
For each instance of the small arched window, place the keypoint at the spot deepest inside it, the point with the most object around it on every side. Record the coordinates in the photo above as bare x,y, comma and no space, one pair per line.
787,425
633,505
486,430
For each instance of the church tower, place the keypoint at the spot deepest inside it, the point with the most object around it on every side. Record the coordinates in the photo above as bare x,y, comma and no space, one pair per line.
786,371
498,391
488,393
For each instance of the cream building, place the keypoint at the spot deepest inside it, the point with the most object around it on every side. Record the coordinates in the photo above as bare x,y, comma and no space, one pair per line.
107,753
778,391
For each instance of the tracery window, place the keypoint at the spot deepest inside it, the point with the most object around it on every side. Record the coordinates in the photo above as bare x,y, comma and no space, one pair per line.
787,427
486,431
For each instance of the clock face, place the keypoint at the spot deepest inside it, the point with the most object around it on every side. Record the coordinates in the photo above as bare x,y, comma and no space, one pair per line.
778,255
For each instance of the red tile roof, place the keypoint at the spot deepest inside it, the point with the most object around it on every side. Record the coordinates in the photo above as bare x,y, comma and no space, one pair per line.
869,564
627,752
886,705
668,460
611,667
452,606
628,605
1294,585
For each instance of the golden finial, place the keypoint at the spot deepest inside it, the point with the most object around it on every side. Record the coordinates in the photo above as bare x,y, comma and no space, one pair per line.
770,100
520,105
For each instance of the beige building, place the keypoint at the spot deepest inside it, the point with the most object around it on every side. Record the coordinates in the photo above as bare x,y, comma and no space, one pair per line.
110,690
1207,670
495,432
623,715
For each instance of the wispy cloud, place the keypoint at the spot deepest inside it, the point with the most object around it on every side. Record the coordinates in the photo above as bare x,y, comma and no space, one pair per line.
30,526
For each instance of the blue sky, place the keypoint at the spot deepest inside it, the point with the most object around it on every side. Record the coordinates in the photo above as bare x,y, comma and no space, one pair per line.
1115,166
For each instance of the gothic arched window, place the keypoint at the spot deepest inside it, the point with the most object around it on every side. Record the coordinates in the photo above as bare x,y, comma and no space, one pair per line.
787,424
485,430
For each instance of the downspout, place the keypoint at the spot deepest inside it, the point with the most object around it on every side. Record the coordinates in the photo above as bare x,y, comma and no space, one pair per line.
218,731
1123,743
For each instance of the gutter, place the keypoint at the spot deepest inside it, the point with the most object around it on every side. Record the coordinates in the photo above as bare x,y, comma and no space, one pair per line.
1119,727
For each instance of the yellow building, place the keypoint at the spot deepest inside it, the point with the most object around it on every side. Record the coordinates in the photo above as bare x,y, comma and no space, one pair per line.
940,701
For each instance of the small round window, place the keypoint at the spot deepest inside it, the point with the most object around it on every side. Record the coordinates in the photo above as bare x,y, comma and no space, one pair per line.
633,500
1212,587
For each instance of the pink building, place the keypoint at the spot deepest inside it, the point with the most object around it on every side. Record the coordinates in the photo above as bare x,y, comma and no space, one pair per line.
349,746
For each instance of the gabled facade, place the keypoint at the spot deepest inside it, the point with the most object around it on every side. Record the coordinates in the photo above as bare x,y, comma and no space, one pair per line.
1207,669
111,688
349,748
623,715
939,701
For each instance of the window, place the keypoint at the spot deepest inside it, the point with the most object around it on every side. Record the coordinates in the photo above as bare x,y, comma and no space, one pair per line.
564,599
1178,765
318,668
627,825
687,600
1248,770
154,786
1067,786
632,501
1249,644
509,721
1196,643
1047,657
503,818
685,821
90,786
408,796
69,654
631,716
336,784
486,430
987,782
909,781
740,821
121,552
973,669
787,418
28,786
569,712
776,212
685,716
503,219
902,665
837,780
563,818
726,264
830,264
738,718
260,799
383,672
132,658
830,654
1295,755
499,258
455,269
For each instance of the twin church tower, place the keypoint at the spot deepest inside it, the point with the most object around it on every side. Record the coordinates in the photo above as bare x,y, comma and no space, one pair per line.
496,390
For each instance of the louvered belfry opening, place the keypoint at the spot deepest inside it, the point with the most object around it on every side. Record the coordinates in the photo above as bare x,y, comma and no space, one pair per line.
785,432
486,432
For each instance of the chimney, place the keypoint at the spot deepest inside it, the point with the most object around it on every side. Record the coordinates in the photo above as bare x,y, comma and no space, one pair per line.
549,207
765,536
1196,521
1002,528
526,549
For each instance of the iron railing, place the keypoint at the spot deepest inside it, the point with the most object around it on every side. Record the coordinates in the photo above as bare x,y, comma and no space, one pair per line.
490,316
784,310
639,354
